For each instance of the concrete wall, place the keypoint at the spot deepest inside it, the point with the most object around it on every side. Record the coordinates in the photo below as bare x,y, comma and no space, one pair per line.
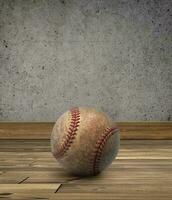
115,55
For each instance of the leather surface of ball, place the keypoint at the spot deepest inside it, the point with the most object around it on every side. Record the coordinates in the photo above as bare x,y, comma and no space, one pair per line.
84,141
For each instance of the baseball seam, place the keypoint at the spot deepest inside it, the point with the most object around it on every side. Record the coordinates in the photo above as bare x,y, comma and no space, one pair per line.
71,134
98,149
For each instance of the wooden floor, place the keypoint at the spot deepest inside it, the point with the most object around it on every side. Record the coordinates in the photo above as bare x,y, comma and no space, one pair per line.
142,171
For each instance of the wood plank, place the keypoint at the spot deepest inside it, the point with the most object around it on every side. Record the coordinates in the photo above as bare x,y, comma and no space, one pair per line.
27,191
9,177
136,195
43,145
27,196
144,187
22,145
146,130
46,176
129,130
25,130
28,187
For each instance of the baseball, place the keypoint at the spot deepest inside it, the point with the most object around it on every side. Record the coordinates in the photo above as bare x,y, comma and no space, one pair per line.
84,141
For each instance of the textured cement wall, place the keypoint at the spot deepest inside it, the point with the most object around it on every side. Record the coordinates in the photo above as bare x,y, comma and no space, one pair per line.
115,55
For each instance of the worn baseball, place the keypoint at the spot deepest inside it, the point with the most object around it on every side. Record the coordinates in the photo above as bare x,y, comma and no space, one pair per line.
84,141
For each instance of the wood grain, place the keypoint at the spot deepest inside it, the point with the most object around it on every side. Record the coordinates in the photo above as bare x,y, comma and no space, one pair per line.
142,170
129,130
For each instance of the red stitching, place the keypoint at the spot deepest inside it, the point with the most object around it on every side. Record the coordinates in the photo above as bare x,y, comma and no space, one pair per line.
97,153
75,120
